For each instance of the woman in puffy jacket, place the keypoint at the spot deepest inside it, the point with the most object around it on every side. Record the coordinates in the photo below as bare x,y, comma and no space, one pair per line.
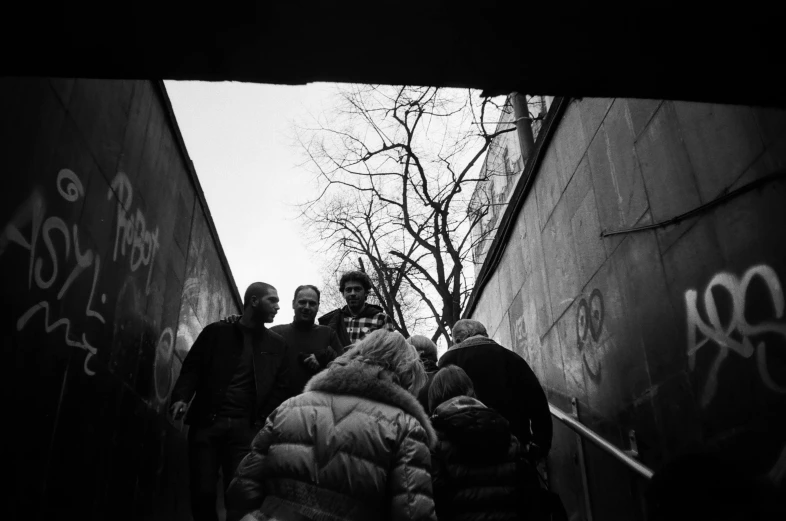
354,446
479,468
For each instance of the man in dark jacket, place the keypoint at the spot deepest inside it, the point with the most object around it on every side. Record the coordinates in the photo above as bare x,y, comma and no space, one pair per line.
236,375
311,347
503,381
357,319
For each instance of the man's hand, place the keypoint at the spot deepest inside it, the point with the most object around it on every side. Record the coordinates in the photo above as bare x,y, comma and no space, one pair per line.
311,362
177,410
231,319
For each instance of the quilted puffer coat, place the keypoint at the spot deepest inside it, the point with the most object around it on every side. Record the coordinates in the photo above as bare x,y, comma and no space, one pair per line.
353,446
479,469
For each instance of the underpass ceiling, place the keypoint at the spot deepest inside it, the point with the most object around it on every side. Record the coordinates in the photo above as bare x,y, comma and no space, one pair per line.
563,49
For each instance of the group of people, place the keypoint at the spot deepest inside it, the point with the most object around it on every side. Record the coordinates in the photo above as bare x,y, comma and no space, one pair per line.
342,418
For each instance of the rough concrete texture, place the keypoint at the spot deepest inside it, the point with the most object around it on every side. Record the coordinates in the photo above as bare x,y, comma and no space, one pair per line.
616,176
109,272
548,187
561,261
704,127
677,333
569,143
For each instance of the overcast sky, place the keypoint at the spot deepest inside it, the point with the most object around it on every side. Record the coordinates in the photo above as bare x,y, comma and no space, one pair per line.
239,137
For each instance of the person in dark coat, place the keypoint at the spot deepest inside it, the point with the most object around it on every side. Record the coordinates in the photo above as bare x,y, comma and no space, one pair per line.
354,446
504,382
427,351
236,375
358,318
311,346
478,466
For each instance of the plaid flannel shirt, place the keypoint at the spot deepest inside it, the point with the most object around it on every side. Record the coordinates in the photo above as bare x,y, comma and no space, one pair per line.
358,327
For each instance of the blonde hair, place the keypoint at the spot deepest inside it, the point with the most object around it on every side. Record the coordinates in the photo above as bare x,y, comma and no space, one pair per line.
397,359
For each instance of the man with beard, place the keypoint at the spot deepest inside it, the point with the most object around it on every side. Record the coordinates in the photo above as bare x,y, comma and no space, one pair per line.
236,374
357,319
311,347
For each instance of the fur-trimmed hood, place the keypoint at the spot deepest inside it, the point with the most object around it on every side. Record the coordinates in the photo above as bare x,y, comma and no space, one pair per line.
374,383
476,340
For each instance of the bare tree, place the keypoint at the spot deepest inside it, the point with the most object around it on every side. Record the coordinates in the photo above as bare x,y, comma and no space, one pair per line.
396,167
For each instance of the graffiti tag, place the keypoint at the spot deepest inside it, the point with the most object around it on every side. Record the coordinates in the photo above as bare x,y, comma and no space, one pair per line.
590,314
735,336
43,270
162,365
54,245
132,229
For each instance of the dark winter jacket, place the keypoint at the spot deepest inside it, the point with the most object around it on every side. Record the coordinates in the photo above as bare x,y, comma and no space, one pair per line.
478,466
210,364
505,382
353,446
304,340
335,320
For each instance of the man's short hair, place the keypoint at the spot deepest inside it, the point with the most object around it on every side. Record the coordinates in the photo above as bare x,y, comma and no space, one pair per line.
426,348
307,286
257,289
465,328
354,276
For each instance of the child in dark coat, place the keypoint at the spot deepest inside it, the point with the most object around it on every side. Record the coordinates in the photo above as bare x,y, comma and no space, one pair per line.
479,469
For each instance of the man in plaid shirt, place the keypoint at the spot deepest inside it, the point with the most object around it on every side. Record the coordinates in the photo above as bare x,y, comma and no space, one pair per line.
355,320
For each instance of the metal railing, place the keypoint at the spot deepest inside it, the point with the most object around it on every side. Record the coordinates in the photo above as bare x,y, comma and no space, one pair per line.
572,422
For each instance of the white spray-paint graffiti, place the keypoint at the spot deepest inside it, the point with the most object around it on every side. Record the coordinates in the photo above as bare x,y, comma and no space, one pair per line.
33,212
45,272
738,325
132,229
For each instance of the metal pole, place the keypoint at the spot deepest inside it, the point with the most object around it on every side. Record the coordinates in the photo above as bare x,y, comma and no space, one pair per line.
523,126
600,442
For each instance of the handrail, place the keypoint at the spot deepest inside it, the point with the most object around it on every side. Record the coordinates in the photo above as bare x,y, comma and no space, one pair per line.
595,438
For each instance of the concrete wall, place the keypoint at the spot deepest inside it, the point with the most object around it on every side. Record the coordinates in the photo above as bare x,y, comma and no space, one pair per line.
678,332
110,268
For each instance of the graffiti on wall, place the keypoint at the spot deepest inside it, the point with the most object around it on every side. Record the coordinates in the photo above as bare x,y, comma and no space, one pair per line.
737,323
590,315
520,331
163,364
44,270
132,232
197,297
59,257
523,326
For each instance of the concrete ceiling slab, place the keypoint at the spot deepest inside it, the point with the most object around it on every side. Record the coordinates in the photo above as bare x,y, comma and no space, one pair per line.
668,50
